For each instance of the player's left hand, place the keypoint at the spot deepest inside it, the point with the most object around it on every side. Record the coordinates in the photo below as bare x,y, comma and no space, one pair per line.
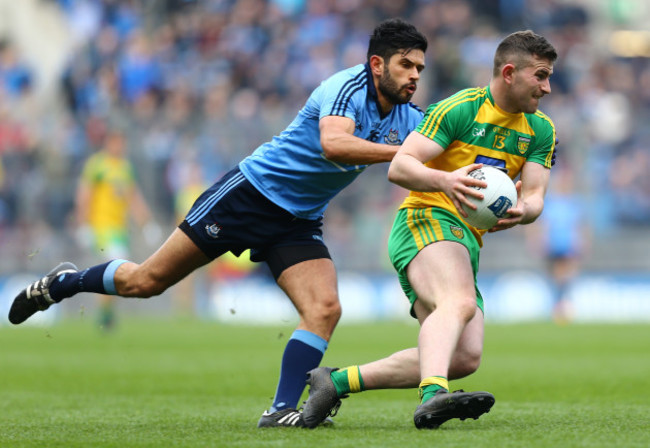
515,214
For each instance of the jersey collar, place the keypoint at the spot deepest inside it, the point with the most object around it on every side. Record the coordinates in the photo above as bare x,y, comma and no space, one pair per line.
372,91
496,106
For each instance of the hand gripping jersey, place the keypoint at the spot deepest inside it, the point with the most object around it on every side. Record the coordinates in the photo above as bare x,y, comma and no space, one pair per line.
472,128
292,171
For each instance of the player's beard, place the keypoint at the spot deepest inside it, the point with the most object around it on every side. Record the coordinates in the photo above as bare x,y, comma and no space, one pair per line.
393,93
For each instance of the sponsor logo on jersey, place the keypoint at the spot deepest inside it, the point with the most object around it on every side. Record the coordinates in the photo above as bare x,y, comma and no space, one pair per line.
478,132
393,137
212,230
500,206
522,144
457,231
501,131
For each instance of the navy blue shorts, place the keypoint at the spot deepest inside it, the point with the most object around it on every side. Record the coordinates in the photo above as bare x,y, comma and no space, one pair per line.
232,215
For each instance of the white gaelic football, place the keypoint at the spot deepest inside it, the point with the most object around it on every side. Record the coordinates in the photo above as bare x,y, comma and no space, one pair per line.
499,196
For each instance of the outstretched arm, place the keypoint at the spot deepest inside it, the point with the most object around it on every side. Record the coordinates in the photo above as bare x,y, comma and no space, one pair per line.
341,145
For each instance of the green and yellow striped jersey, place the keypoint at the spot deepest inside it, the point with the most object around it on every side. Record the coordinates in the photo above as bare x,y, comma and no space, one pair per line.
473,129
111,181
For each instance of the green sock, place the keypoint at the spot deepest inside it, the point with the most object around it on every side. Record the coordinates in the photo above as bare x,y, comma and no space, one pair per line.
430,391
347,380
429,386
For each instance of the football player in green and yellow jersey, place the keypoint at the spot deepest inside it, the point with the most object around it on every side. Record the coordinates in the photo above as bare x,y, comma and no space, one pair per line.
433,249
107,196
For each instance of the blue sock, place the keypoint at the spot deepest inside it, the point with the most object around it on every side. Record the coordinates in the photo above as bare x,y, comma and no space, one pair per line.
97,279
303,352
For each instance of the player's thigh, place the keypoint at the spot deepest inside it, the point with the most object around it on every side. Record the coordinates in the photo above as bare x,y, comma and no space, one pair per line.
417,233
442,271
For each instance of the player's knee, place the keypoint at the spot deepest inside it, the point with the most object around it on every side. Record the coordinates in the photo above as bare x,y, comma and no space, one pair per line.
467,369
471,363
331,309
466,308
465,363
326,308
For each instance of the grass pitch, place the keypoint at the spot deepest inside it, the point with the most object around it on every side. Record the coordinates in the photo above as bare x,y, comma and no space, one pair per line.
201,384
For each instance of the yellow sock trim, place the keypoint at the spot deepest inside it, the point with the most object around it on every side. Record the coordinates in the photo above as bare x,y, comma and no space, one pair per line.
439,380
353,378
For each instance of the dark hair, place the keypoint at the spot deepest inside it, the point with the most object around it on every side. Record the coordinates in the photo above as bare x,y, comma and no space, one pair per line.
393,35
518,45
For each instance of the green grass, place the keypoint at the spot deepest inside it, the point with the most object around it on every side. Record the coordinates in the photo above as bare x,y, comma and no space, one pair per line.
194,384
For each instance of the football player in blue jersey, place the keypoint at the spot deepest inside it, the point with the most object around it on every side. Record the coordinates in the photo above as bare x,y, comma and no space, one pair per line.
273,203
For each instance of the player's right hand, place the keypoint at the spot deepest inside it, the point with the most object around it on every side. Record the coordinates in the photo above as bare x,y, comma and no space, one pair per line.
458,185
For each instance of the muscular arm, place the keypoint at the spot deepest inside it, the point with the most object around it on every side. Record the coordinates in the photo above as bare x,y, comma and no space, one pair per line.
408,170
340,145
531,190
534,178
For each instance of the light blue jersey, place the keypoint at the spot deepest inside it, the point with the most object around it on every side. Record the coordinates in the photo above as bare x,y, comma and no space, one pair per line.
292,171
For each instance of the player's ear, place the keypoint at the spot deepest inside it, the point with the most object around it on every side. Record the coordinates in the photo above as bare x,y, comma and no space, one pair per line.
507,72
376,65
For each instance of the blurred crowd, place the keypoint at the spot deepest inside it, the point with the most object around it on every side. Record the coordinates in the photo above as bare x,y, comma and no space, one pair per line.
198,85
